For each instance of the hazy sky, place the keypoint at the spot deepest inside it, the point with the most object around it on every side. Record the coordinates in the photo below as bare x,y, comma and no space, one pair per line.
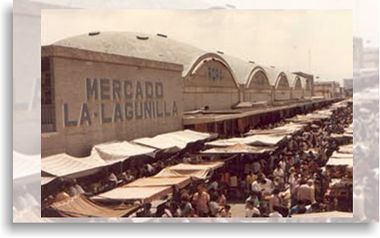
313,41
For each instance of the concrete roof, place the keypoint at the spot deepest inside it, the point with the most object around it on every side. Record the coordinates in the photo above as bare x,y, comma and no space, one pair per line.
243,70
137,45
164,49
292,79
240,67
304,82
273,74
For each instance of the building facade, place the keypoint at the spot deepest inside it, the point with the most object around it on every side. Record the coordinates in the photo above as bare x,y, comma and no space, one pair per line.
107,86
327,89
91,97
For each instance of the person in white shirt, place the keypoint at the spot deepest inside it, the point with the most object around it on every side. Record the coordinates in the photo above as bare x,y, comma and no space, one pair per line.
251,210
275,213
306,192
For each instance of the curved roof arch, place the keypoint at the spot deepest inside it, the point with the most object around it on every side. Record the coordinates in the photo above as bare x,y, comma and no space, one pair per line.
276,76
295,81
256,70
306,83
154,47
212,57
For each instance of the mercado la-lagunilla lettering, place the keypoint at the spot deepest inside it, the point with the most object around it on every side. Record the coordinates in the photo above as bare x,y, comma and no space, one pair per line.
124,100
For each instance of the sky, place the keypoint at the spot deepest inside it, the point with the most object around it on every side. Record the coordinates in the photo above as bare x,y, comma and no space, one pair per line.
314,41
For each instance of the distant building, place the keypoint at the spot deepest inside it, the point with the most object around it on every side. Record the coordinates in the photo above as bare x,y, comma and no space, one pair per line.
348,84
327,89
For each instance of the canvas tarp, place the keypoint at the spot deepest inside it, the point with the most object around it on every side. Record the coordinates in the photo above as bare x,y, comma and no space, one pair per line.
114,152
80,206
46,180
340,161
309,118
177,140
349,129
287,129
341,136
155,181
258,140
239,148
346,149
61,165
339,155
143,194
301,119
199,171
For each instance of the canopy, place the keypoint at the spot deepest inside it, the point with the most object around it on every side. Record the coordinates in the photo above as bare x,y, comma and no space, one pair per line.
331,214
346,149
177,140
340,162
143,194
46,180
349,129
339,155
302,119
61,165
338,158
80,206
199,171
259,140
286,129
114,152
239,148
180,181
309,118
341,136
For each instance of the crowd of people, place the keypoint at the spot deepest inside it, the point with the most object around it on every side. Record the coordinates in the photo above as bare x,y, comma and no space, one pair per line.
290,180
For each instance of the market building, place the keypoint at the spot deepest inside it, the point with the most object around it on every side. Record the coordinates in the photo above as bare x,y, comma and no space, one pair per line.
296,86
106,86
327,89
147,81
93,92
280,83
307,83
253,80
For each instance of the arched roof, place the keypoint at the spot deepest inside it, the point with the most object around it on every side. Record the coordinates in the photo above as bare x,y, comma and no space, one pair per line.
304,82
154,47
244,70
274,75
293,79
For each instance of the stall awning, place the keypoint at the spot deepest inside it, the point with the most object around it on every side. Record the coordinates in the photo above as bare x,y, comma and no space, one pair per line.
143,194
119,151
177,140
238,149
339,155
339,162
341,136
61,165
155,181
47,179
287,129
80,206
199,171
346,149
258,140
